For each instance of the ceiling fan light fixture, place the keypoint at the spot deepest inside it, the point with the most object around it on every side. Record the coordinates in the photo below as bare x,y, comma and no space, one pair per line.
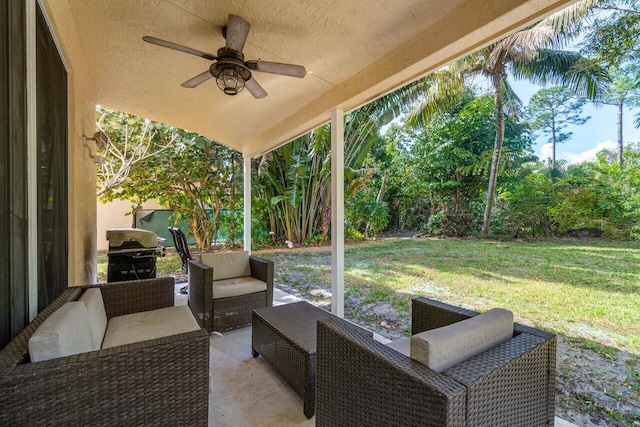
231,71
230,81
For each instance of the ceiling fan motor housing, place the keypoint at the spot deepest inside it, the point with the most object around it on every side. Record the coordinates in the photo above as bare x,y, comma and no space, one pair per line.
229,71
228,58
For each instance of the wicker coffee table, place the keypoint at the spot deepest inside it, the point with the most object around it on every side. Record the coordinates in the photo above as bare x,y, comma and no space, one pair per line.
285,337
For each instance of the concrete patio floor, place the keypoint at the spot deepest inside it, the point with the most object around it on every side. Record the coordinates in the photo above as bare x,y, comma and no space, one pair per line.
245,392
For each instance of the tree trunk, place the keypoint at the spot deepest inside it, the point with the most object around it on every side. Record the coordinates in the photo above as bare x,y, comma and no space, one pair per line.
553,147
496,80
325,202
620,143
547,229
432,205
193,223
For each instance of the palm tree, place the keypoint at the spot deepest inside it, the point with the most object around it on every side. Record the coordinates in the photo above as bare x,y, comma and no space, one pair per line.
533,53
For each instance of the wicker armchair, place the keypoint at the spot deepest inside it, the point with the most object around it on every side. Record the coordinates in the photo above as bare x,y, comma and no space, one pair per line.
164,381
361,382
221,314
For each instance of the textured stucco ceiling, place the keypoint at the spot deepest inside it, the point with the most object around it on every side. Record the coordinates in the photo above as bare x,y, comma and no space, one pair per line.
357,50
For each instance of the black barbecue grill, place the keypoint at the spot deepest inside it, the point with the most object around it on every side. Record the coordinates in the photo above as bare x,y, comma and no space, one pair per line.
132,254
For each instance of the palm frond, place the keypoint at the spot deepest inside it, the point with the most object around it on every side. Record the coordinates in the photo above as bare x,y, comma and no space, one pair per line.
589,78
512,102
520,46
400,101
569,21
470,64
445,94
563,68
264,162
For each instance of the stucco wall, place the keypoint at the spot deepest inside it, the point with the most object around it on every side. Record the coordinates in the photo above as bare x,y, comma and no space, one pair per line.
82,172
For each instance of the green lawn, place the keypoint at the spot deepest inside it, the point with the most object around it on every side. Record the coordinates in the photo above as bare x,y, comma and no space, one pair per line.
585,289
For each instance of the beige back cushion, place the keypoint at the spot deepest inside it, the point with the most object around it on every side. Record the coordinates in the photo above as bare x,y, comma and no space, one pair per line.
227,265
92,299
445,347
64,333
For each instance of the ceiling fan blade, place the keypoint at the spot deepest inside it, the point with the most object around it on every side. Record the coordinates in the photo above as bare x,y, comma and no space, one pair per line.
179,47
237,32
277,68
254,87
197,80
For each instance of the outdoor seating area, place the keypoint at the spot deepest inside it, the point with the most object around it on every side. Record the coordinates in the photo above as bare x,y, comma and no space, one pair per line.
151,368
249,390
345,373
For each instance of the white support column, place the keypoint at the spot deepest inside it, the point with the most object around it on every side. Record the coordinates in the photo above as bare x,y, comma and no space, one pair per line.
247,204
337,212
32,160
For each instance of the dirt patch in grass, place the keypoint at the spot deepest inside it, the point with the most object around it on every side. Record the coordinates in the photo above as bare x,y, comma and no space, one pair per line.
597,385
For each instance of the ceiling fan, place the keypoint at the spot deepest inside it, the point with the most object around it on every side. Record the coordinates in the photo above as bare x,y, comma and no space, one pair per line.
231,71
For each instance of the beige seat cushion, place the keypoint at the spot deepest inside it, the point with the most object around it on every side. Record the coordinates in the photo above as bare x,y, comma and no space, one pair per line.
445,347
227,265
63,333
148,325
237,286
92,299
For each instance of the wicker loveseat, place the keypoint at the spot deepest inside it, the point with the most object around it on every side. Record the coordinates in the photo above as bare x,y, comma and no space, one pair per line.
163,381
361,382
225,287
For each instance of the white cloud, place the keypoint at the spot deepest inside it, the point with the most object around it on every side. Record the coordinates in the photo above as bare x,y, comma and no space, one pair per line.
546,151
589,155
574,158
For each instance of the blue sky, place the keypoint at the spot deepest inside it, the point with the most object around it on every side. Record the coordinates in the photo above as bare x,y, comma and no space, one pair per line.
598,132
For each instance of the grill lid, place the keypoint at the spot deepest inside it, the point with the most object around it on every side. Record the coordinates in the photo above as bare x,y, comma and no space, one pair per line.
120,236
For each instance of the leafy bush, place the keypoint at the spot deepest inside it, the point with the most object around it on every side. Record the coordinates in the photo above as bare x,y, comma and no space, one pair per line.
352,233
315,239
434,224
369,217
456,225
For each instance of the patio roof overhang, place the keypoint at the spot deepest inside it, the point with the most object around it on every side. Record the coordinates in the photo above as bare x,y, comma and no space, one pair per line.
355,51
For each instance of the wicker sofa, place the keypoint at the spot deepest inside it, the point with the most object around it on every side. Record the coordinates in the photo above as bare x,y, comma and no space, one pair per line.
163,381
225,287
361,382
